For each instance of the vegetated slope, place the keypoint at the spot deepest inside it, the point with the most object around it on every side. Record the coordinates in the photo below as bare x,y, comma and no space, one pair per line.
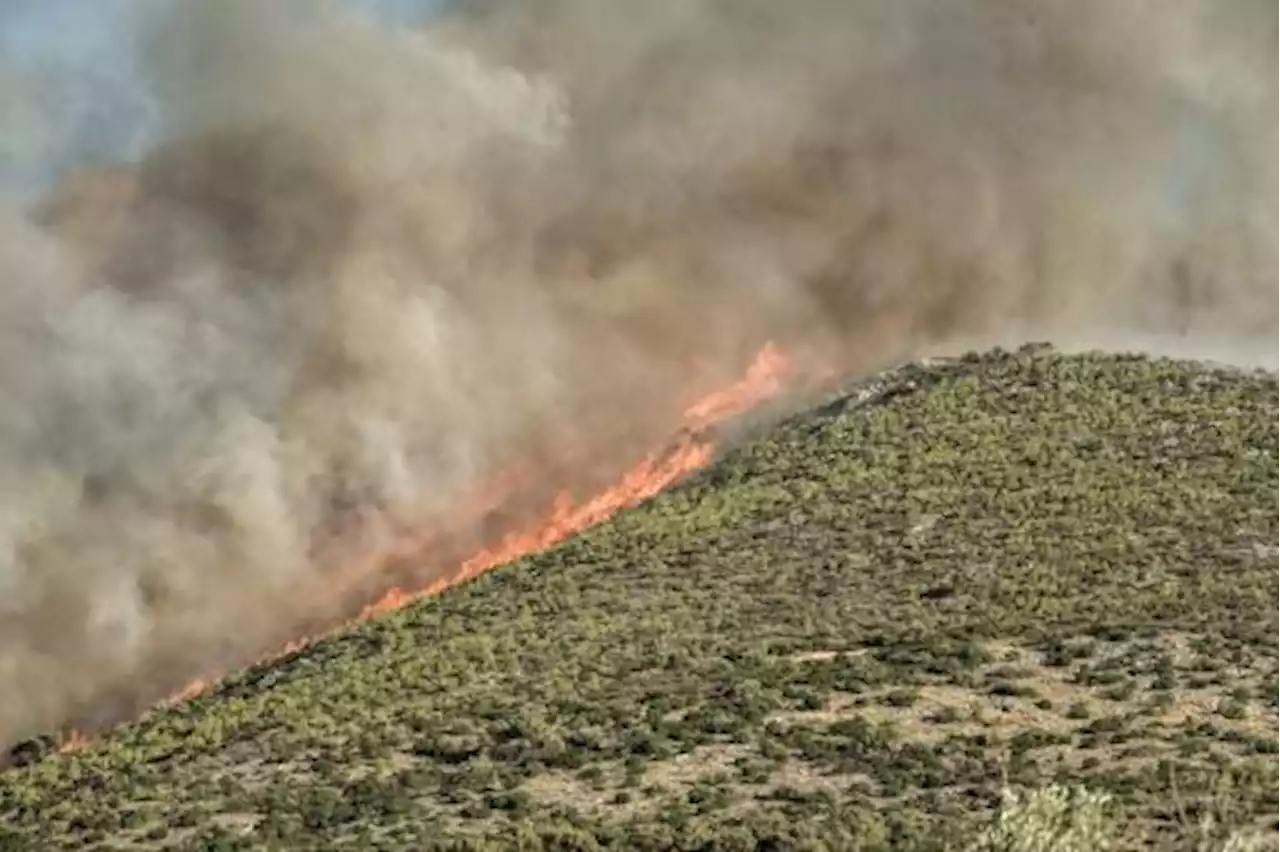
1013,568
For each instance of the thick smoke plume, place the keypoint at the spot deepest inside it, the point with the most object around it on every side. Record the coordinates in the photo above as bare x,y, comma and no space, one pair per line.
367,268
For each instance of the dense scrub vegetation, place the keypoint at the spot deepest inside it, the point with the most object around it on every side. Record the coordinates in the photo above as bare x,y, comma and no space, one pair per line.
857,628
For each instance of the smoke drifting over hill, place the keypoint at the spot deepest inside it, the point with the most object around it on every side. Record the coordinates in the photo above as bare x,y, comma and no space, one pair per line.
367,267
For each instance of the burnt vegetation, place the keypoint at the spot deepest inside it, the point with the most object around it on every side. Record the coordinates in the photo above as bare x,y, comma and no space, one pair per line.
854,630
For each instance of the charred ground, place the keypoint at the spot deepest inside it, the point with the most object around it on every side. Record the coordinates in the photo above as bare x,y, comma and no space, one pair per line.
854,628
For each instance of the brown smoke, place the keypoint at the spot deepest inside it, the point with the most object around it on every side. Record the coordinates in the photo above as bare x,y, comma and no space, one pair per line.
368,268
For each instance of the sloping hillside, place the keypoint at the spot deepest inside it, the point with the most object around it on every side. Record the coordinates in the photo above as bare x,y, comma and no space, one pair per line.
1010,569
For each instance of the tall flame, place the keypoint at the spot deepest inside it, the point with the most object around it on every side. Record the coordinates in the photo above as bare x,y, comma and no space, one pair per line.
690,450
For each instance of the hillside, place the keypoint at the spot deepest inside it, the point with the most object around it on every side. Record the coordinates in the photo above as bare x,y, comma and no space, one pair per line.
853,629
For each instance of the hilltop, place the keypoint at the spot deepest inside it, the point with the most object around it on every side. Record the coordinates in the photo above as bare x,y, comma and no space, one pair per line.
855,628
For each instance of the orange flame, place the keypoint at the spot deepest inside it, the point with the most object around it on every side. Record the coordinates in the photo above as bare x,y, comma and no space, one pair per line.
72,740
651,475
689,452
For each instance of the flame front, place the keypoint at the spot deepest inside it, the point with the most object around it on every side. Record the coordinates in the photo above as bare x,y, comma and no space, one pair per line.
645,479
690,451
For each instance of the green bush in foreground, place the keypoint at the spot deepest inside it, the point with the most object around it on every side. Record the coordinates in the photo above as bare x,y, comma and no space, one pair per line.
1075,819
1051,819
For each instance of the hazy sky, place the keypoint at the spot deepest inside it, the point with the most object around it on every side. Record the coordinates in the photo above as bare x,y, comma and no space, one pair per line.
69,88
70,92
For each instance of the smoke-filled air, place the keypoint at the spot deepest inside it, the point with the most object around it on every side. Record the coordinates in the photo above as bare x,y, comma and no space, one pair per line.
360,269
